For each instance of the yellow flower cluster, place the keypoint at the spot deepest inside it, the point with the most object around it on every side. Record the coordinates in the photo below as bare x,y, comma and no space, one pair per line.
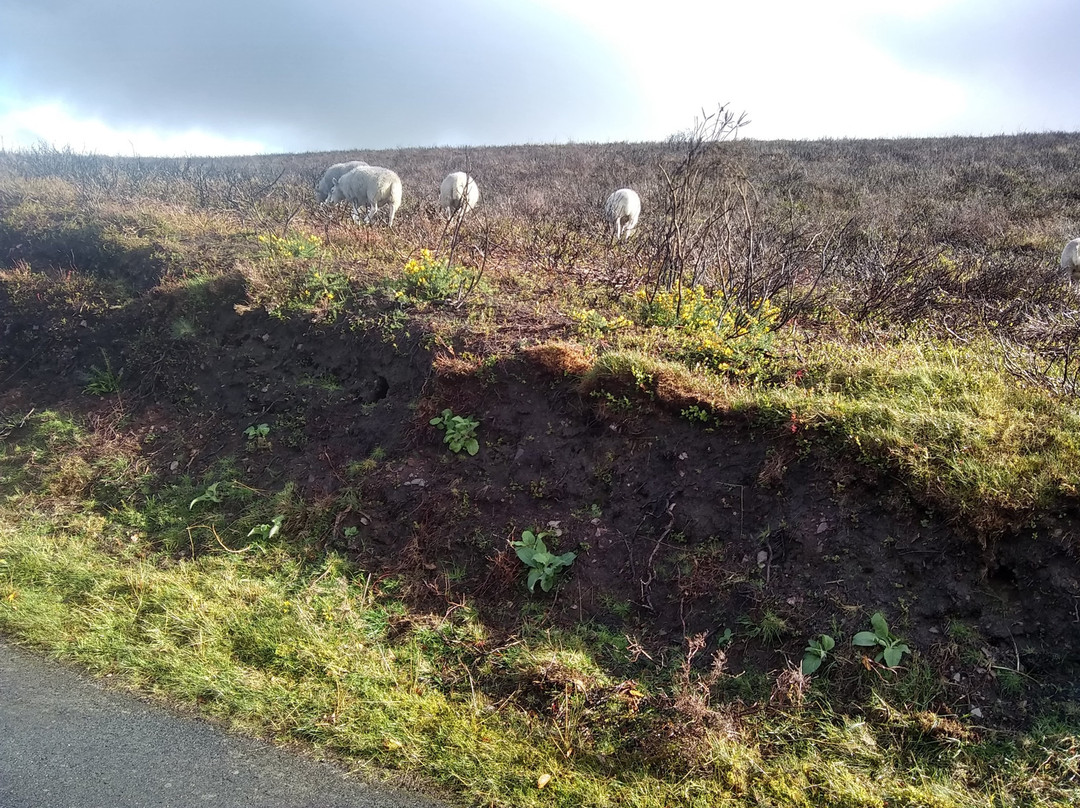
292,246
428,278
417,266
592,323
322,292
697,308
711,332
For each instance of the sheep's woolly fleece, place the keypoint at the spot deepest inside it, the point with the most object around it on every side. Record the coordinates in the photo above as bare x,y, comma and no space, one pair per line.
622,210
368,187
458,192
326,184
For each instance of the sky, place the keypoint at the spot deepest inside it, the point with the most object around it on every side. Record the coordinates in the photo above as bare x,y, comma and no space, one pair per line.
215,77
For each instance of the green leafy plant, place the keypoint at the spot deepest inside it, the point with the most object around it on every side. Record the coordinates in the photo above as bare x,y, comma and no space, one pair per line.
695,413
319,293
543,564
267,532
255,432
323,292
209,495
102,381
426,278
460,431
892,647
816,652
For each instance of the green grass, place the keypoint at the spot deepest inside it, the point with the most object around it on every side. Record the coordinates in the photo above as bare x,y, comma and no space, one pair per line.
311,649
978,442
964,436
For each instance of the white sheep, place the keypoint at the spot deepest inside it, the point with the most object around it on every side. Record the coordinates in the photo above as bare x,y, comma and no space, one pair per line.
458,193
368,187
1070,260
332,175
622,210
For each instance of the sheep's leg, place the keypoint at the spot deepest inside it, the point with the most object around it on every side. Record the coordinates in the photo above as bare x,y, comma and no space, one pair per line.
392,208
356,214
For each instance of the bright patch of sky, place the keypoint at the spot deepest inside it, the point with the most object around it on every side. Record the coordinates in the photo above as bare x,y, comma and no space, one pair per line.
798,69
53,125
191,77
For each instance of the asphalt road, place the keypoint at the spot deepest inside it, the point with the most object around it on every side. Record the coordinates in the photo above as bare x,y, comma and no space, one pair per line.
68,742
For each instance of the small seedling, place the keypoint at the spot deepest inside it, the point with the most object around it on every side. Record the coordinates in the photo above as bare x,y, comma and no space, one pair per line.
267,532
102,382
544,566
816,652
209,495
460,431
256,432
892,648
770,628
695,413
257,436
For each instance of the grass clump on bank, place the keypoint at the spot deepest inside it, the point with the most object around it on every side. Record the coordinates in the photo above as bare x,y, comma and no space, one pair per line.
964,436
983,446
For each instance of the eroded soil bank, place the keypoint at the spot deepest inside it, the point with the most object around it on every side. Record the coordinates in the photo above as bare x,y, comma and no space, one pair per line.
680,529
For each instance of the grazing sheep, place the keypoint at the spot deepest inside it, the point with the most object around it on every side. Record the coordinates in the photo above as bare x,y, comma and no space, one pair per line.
458,193
622,210
368,187
332,175
1070,260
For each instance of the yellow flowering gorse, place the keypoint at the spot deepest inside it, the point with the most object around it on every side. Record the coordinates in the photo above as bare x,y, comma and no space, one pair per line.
324,295
309,246
594,324
708,331
427,278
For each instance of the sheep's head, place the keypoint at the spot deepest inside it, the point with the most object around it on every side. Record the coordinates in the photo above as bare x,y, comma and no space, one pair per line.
336,194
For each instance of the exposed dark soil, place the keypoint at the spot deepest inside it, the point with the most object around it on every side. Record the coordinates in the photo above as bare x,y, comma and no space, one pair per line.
679,529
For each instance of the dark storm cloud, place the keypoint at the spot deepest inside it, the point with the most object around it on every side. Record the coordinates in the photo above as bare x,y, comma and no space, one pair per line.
1018,55
308,75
